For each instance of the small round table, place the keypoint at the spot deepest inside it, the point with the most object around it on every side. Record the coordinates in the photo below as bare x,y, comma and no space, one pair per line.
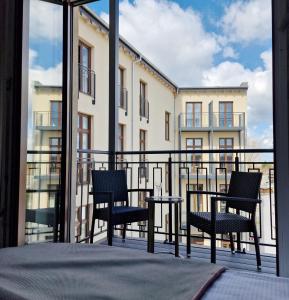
151,222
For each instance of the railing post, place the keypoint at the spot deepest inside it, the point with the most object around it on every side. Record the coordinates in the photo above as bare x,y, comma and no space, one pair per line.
237,168
170,186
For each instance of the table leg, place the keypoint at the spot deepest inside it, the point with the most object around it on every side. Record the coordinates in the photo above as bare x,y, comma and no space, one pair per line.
151,226
176,230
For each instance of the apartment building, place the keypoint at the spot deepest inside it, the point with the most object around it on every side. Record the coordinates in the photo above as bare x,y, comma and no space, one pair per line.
153,114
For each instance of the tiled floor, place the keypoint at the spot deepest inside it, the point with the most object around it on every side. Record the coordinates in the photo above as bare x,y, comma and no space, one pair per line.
238,261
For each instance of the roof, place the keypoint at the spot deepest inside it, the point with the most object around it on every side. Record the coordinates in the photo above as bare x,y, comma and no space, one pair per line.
39,85
243,86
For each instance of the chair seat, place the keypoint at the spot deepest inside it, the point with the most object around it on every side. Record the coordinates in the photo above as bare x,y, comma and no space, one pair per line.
225,222
123,214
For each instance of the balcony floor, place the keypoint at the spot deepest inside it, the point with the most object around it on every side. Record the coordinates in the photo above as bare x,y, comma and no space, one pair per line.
237,261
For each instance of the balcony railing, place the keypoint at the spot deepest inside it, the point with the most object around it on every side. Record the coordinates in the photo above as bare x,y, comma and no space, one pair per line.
144,108
174,171
87,81
123,98
212,121
47,120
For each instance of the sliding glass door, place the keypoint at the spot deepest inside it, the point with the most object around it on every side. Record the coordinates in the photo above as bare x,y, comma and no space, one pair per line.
44,153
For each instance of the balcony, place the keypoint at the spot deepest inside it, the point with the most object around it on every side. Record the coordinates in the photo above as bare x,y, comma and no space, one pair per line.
47,120
144,108
87,81
212,122
165,167
123,99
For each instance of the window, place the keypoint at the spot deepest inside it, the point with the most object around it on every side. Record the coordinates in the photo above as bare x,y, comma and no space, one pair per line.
122,89
226,144
55,113
143,101
84,60
195,158
193,114
167,126
223,188
84,143
142,158
197,199
226,114
55,158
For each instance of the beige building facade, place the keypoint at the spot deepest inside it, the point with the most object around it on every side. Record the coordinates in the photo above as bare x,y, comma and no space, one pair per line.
154,114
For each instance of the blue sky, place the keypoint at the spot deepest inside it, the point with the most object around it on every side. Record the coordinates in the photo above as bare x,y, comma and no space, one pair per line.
200,42
211,11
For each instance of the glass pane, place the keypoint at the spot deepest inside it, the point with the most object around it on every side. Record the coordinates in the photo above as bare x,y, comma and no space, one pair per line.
85,141
189,142
44,128
189,108
85,122
222,107
198,142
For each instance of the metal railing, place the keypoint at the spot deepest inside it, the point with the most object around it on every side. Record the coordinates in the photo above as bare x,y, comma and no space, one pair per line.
144,108
214,120
123,98
47,119
87,81
173,170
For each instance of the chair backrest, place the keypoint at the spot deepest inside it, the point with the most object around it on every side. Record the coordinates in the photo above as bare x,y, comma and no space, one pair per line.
109,181
244,185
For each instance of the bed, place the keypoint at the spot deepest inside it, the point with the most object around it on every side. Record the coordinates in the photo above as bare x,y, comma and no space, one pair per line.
83,271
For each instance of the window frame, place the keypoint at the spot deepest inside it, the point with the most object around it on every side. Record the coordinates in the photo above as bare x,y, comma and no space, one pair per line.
142,97
57,162
229,167
192,147
82,45
167,125
191,116
227,122
80,132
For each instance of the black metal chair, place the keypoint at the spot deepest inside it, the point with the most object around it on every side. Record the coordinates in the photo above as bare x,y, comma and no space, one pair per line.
111,187
242,196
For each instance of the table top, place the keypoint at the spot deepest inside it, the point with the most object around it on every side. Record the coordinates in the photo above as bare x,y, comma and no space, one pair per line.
164,199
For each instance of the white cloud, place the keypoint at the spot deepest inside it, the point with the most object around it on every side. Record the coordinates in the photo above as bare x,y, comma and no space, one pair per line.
260,87
229,52
173,38
46,76
247,20
45,20
49,76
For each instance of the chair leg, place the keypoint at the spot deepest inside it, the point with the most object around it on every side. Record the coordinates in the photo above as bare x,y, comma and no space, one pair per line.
109,233
92,229
123,231
232,243
256,241
213,248
188,239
